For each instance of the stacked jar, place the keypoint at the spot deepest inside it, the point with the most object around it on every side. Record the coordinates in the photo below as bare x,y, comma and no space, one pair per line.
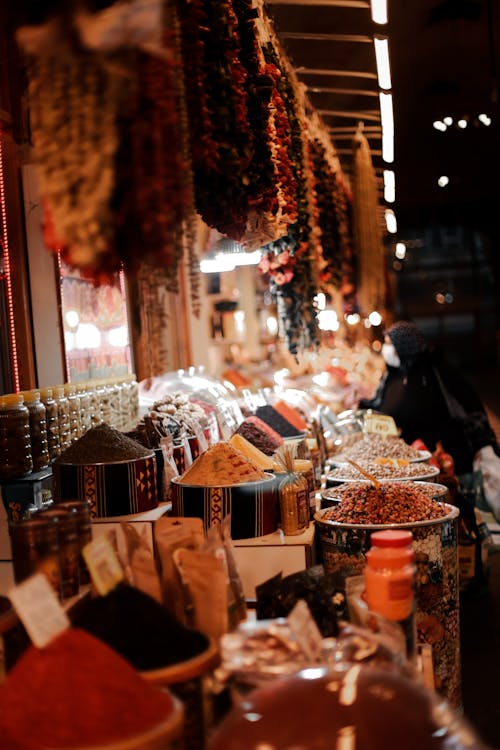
63,418
52,422
94,404
85,414
75,428
38,429
15,446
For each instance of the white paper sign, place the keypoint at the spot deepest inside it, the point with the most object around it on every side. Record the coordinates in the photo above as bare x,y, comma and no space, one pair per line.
103,564
39,609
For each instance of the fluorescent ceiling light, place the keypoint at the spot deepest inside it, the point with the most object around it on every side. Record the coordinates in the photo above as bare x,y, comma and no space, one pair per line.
389,186
387,116
462,123
448,120
219,264
439,125
383,64
247,259
390,221
484,119
379,11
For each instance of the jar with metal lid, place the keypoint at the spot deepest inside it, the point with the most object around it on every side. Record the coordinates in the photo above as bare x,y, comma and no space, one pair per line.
80,509
134,398
104,401
52,422
38,429
35,548
67,535
85,415
114,391
75,428
63,418
94,404
15,445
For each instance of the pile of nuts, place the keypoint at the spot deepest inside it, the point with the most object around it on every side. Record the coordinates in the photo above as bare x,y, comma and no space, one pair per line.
383,471
374,445
390,503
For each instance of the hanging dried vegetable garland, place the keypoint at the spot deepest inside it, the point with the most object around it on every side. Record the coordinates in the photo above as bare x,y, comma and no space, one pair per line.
114,161
74,99
221,138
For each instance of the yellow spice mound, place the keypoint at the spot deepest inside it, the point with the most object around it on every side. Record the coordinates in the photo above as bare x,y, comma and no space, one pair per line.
221,465
266,463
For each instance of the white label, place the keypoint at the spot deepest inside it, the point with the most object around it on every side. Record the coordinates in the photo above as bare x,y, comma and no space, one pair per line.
305,630
103,564
39,609
380,424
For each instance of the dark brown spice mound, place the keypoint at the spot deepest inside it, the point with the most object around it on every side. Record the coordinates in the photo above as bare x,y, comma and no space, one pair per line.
103,444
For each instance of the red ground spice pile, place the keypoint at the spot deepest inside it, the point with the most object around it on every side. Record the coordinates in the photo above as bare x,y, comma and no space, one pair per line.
76,692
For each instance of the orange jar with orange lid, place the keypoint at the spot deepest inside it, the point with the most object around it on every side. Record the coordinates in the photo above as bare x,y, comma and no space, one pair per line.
390,574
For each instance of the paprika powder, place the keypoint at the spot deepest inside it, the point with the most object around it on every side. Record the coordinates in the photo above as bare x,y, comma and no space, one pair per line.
77,692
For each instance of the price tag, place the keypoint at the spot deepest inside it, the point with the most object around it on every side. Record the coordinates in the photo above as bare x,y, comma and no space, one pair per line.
103,564
305,630
380,424
39,609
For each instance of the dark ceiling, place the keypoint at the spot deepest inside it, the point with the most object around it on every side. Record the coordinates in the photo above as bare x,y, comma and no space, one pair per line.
444,55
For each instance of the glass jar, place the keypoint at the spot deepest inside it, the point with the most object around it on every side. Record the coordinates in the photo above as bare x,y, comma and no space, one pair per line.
94,405
52,422
103,396
15,445
114,391
75,428
63,418
85,417
80,509
34,544
38,429
294,504
65,525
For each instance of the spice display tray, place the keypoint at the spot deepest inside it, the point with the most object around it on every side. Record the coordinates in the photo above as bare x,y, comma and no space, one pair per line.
262,557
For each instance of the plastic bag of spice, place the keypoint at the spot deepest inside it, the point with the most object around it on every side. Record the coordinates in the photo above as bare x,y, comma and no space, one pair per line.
139,565
171,534
169,466
205,589
219,544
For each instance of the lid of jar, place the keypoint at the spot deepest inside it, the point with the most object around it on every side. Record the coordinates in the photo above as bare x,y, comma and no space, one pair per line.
59,391
390,557
69,389
11,400
31,397
46,393
391,538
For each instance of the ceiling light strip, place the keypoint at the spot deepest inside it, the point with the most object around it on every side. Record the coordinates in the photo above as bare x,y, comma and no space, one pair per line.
382,60
373,116
348,92
302,70
7,275
379,11
311,36
387,114
329,3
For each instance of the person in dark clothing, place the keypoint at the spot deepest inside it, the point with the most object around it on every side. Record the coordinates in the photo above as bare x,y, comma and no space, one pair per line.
416,390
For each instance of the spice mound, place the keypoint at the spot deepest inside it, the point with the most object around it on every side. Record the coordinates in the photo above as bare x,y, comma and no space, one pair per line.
390,503
277,421
77,692
101,445
372,446
383,470
260,434
222,465
139,628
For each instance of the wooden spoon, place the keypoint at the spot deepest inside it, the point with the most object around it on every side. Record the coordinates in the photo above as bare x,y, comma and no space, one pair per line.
372,479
